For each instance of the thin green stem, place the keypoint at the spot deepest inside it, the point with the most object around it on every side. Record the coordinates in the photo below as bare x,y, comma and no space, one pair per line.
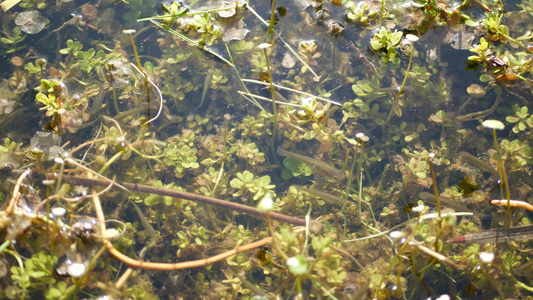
400,91
274,239
274,107
109,162
504,184
272,23
146,79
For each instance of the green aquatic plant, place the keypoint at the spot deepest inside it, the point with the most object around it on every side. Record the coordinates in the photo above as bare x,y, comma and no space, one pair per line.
12,42
59,105
83,61
38,275
181,158
138,9
517,154
192,234
360,12
246,182
9,145
385,42
37,4
153,199
295,168
51,94
521,118
249,152
253,126
73,48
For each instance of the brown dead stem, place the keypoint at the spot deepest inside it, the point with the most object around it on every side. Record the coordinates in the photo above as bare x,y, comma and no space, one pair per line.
15,196
314,225
167,266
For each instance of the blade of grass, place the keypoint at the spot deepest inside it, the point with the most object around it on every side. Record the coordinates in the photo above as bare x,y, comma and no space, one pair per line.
188,40
292,90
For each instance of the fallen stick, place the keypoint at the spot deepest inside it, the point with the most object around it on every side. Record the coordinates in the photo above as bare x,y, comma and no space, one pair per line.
313,226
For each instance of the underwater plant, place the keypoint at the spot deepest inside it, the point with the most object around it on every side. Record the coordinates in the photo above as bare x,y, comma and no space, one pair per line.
299,150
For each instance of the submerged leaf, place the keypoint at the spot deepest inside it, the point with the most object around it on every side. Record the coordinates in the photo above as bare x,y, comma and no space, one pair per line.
30,22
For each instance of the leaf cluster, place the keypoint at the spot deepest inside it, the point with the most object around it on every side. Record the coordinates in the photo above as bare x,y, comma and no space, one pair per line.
246,182
385,42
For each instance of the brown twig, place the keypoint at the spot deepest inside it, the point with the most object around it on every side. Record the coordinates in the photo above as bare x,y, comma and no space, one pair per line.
167,266
15,196
314,226
513,203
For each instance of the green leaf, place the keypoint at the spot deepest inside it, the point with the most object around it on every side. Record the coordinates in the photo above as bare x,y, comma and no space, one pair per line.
6,41
236,183
152,200
512,119
471,23
37,274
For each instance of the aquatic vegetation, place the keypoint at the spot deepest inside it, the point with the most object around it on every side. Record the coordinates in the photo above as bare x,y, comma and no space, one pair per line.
294,146
12,41
246,182
522,118
30,21
385,42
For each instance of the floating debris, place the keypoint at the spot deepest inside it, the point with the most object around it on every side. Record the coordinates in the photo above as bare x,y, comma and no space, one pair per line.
30,22
234,34
8,161
476,91
459,40
288,61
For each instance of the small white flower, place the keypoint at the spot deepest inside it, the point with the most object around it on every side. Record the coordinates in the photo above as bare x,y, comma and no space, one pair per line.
397,234
493,124
411,37
264,46
418,208
76,270
486,257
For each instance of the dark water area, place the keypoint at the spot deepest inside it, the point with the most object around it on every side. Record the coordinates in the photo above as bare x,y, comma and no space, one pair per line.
189,150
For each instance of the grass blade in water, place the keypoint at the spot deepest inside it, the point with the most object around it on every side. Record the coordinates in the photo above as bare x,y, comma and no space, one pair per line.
446,202
332,199
493,236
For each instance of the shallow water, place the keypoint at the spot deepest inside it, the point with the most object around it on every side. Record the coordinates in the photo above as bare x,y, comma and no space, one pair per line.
204,104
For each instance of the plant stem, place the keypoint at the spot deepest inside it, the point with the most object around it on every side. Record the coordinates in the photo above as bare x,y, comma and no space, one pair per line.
146,82
274,108
400,91
314,226
109,162
272,23
503,179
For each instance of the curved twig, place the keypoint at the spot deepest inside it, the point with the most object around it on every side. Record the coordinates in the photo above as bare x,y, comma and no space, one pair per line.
15,196
168,266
